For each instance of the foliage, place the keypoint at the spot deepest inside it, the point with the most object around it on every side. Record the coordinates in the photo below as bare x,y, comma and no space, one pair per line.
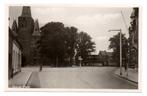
85,45
58,43
115,45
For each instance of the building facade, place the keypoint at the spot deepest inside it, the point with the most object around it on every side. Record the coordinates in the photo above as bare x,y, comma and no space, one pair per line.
91,60
16,57
103,57
15,53
133,38
106,58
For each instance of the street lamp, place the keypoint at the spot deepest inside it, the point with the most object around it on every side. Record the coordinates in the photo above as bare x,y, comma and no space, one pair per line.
120,48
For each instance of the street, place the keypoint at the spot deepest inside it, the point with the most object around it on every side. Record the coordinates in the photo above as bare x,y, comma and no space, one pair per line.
77,54
79,78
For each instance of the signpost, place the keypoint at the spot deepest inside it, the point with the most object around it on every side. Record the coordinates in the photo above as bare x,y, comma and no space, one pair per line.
80,59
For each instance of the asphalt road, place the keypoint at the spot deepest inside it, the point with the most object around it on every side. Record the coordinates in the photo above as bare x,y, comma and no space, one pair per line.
77,78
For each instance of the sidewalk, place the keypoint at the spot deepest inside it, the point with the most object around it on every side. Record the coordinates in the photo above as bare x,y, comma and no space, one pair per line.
20,79
132,74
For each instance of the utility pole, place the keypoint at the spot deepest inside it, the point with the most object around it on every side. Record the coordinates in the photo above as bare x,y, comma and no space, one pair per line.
123,17
120,60
120,53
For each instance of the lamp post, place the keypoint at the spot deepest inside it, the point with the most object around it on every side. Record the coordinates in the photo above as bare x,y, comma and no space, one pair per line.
119,48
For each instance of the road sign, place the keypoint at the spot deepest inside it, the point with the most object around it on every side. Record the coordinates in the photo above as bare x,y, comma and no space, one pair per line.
80,58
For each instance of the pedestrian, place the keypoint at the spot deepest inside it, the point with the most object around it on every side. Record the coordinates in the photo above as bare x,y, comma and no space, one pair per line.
12,73
125,65
41,67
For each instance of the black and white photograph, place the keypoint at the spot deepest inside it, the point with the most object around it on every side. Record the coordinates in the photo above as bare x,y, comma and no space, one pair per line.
73,47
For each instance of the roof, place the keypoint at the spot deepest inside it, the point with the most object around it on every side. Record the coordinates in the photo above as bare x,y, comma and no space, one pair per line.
26,11
14,28
36,31
109,54
13,36
105,53
102,53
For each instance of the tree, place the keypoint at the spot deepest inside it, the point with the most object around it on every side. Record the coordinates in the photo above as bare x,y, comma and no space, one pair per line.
85,45
52,42
115,45
71,42
58,44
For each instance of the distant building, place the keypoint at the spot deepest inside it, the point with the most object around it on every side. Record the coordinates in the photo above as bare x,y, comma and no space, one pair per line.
111,61
133,38
106,58
15,52
103,57
91,60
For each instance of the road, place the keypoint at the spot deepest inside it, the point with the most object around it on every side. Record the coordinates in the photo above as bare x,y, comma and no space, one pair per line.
85,78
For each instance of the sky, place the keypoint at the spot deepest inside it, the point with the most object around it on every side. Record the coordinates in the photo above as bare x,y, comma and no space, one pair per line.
96,21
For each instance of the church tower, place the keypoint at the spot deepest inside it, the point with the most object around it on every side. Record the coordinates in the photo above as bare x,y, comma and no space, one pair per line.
35,38
25,30
36,31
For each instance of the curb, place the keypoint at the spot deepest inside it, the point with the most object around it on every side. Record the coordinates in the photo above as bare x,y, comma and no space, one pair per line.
27,80
127,79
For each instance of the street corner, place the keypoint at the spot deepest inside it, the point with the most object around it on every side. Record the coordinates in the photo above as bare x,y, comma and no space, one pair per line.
20,80
128,75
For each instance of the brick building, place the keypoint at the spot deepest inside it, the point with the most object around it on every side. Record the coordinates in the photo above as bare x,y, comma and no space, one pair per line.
28,35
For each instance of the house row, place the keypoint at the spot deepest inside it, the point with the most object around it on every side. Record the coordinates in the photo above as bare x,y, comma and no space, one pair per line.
15,54
23,36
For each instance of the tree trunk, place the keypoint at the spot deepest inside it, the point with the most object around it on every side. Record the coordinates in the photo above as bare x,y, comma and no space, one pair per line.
57,61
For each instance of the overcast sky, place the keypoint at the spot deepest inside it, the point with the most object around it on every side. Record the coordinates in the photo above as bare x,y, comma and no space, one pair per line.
96,21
